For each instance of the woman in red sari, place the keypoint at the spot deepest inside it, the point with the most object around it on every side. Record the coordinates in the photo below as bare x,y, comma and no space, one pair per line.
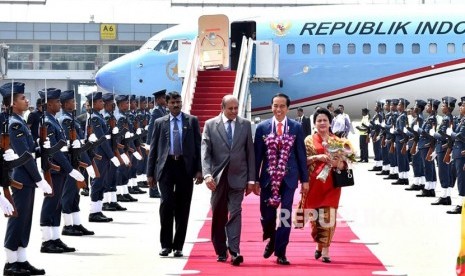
322,198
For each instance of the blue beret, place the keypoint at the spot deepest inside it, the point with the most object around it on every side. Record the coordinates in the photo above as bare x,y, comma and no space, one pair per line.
449,101
17,87
404,102
94,96
433,102
67,95
107,97
52,93
462,100
132,98
149,99
121,98
159,93
395,101
387,101
420,103
142,99
379,103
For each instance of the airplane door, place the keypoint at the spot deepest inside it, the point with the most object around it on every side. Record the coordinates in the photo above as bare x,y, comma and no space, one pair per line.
214,43
239,29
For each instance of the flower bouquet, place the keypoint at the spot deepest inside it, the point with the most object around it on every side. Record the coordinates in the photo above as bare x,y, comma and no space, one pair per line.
278,151
337,147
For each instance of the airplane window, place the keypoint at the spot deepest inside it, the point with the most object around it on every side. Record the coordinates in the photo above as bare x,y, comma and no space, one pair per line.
174,47
381,48
433,48
306,48
163,46
415,48
366,48
336,48
399,48
351,48
321,49
290,49
451,48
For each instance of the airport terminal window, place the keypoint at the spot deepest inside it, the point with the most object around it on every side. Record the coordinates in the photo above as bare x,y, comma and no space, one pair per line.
321,49
116,51
367,48
415,48
21,57
399,48
451,48
381,48
351,48
290,49
336,48
306,48
433,48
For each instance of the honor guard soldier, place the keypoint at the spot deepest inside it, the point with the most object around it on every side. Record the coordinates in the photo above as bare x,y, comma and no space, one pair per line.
384,134
50,216
401,140
425,143
19,228
96,126
417,164
375,124
446,171
458,154
143,118
71,197
391,119
158,111
110,202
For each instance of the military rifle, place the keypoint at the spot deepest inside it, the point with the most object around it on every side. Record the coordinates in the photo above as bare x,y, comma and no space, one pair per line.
90,130
115,145
415,138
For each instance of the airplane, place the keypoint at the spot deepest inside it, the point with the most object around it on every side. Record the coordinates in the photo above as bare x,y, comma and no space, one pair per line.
352,55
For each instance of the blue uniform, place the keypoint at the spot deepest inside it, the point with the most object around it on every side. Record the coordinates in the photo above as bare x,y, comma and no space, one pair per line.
390,122
417,163
19,228
157,112
402,159
375,122
459,158
110,183
122,174
423,146
446,171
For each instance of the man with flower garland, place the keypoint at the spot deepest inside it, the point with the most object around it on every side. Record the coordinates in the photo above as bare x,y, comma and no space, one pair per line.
280,162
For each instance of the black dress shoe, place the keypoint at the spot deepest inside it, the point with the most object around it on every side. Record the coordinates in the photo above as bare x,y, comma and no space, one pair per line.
236,259
32,270
392,176
85,192
456,210
154,193
63,246
283,261
317,254
69,230
84,230
142,184
443,201
14,269
177,253
376,169
50,247
99,217
137,190
165,252
121,198
117,206
326,259
222,258
400,181
269,249
383,173
130,198
107,207
427,193
413,187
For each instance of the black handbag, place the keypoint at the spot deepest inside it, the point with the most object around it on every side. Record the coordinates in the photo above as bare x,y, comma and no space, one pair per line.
343,178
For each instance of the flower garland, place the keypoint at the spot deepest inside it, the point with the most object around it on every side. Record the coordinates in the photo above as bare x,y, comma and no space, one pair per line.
279,149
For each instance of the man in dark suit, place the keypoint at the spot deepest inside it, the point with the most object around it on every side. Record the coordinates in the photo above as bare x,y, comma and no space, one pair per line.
296,169
174,160
304,121
228,164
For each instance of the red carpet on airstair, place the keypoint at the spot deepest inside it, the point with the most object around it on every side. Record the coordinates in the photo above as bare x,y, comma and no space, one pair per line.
347,258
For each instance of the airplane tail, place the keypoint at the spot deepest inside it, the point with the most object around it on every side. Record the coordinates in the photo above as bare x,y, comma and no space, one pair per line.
461,257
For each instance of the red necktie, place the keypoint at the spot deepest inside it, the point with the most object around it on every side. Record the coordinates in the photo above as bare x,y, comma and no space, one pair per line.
280,129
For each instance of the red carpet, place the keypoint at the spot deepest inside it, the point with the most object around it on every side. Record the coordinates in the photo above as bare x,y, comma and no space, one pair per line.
347,258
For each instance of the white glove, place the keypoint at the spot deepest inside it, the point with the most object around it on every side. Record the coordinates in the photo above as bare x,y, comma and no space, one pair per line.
139,131
448,131
391,130
137,155
146,146
125,158
405,130
415,127
115,130
433,155
383,124
64,149
10,155
127,135
146,127
47,143
44,186
93,138
115,161
76,144
90,171
6,206
76,175
431,132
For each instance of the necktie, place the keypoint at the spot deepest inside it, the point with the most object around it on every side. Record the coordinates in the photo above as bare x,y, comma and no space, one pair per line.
176,139
229,133
280,129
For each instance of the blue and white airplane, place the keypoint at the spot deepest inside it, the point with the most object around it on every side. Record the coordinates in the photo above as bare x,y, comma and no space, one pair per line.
351,55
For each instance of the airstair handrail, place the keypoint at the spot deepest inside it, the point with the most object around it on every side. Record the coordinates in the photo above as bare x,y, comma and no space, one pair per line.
190,80
240,67
244,95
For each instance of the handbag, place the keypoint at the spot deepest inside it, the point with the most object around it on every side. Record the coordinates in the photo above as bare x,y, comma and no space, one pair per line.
343,178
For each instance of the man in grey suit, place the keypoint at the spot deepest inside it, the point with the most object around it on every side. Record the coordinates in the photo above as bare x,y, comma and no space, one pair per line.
228,162
173,162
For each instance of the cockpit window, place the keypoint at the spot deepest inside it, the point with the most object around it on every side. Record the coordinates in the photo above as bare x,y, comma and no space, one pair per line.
163,46
174,47
150,44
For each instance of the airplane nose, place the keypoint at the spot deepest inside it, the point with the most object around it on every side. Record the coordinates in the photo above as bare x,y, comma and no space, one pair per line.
115,75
